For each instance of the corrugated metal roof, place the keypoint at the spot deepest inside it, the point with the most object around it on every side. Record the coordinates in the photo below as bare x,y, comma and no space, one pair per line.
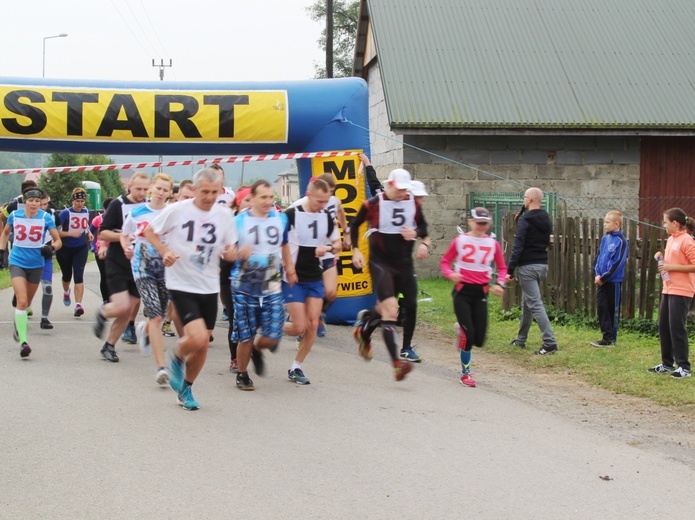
594,64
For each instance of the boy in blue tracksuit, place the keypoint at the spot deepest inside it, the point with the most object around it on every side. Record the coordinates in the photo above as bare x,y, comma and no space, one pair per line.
609,270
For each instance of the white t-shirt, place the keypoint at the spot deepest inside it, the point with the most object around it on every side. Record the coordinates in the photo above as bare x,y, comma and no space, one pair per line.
332,207
198,237
226,197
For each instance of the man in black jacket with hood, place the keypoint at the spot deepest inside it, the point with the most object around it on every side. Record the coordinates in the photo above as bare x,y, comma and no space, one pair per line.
530,259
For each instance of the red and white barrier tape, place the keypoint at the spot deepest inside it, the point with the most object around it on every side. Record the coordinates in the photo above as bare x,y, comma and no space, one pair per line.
157,164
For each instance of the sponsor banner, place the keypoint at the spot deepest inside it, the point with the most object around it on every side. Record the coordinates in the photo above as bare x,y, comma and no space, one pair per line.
168,116
350,188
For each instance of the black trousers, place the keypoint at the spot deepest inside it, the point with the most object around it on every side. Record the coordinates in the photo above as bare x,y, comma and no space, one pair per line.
673,311
608,304
470,307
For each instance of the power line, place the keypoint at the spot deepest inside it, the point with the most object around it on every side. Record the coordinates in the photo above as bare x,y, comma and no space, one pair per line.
154,30
137,21
129,28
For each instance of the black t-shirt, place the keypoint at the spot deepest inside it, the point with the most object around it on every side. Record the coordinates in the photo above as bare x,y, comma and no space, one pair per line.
113,221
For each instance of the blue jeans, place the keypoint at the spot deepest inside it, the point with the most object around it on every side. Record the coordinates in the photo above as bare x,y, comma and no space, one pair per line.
530,279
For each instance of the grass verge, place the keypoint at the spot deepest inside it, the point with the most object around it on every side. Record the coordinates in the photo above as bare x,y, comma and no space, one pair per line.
621,369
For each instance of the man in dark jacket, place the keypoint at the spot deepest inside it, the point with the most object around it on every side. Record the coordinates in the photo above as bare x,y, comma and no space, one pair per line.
530,258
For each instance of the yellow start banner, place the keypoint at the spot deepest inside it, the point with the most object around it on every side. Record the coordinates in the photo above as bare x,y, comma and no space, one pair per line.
350,189
94,114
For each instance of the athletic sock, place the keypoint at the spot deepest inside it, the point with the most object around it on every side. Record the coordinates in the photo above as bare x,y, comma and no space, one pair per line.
465,361
373,320
21,321
388,328
295,365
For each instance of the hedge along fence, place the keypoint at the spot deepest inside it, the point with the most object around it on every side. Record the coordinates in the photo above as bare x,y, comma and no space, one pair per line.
570,285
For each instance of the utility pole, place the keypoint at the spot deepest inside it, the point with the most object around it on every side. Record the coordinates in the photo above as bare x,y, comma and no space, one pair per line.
329,38
161,66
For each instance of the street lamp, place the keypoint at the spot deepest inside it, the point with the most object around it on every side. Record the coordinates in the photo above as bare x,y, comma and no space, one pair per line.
43,70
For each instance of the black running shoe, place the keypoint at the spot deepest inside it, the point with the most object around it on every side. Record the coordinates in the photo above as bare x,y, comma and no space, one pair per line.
26,350
244,382
45,324
99,323
258,362
108,352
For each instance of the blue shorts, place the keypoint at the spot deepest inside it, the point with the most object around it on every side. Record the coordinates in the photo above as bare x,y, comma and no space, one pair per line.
300,291
254,312
328,263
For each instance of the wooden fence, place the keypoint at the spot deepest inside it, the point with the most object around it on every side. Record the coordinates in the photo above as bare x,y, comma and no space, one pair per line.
570,286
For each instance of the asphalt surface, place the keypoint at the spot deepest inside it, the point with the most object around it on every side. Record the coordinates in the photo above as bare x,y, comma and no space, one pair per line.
81,438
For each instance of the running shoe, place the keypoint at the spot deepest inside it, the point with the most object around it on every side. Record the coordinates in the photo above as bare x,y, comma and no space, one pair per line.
517,343
225,316
244,382
299,342
321,330
544,351
467,380
129,335
409,355
680,373
661,369
79,311
258,362
108,352
298,376
99,323
365,345
25,350
66,298
234,366
46,324
175,372
166,330
401,369
602,343
185,399
162,376
143,339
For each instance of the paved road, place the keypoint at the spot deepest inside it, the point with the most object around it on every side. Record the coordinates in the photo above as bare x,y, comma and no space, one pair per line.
83,438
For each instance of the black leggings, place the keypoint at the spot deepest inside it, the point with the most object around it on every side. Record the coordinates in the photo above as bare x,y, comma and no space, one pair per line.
103,288
73,260
227,302
470,307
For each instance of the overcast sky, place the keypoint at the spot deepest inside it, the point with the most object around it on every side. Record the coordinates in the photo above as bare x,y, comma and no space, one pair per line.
208,40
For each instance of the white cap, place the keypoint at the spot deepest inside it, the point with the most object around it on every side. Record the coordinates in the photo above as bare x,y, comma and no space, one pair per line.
400,178
417,188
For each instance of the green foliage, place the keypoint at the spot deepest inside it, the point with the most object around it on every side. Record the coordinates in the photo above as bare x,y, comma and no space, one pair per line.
10,185
345,18
59,185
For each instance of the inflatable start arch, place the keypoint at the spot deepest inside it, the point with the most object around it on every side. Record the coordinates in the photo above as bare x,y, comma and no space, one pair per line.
219,119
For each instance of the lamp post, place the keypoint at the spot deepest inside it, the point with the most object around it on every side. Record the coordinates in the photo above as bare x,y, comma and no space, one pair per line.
43,69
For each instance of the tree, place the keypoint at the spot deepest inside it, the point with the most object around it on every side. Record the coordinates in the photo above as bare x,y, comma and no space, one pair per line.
345,17
59,185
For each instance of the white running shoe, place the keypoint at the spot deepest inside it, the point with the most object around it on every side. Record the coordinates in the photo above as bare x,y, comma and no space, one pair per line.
143,339
162,376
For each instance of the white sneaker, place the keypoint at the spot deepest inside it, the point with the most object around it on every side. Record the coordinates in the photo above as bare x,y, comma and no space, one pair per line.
143,339
162,376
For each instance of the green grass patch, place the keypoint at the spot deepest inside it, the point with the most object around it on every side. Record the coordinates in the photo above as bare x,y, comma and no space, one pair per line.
621,369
